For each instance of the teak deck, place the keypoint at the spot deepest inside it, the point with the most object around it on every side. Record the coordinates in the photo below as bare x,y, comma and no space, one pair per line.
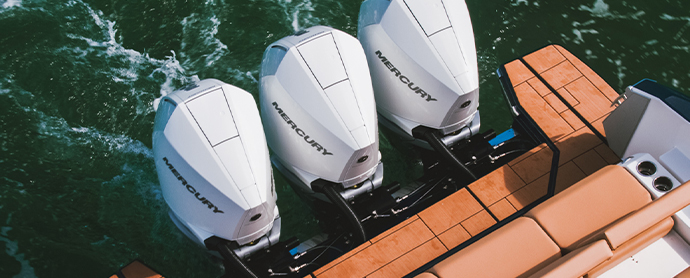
457,218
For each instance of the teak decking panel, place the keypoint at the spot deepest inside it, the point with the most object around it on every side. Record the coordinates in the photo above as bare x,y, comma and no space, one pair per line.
458,217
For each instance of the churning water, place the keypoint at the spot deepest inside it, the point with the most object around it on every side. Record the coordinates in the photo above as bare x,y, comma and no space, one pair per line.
79,196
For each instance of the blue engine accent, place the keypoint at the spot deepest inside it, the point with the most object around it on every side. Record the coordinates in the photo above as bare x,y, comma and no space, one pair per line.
505,136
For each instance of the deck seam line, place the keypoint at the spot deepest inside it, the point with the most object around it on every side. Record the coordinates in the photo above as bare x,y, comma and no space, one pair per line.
519,177
444,245
595,152
418,218
566,121
553,90
571,126
524,183
558,63
588,79
404,255
571,81
471,217
461,226
482,204
509,203
345,259
460,223
525,158
372,243
583,75
559,166
542,97
427,226
571,95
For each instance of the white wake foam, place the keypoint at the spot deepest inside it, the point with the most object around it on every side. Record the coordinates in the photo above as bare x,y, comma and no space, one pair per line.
199,33
11,3
106,44
601,9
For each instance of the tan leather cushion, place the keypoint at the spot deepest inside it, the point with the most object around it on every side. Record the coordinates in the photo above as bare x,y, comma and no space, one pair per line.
684,274
647,216
590,205
518,249
634,245
578,262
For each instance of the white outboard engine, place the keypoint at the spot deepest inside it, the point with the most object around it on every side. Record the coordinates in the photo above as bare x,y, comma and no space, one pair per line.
318,109
213,165
423,65
319,114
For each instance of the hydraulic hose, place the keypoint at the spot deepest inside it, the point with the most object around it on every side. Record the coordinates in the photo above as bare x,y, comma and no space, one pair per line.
332,194
432,138
229,257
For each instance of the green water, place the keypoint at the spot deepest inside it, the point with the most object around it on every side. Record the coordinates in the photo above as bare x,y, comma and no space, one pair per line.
79,196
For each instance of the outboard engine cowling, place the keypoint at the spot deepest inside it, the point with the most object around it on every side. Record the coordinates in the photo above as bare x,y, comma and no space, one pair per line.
213,165
423,65
319,113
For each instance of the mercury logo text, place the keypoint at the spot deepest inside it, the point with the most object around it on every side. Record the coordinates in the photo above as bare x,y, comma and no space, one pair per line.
404,79
300,132
191,188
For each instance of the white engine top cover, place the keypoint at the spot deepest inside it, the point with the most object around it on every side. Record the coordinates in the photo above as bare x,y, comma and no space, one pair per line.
318,106
423,62
213,163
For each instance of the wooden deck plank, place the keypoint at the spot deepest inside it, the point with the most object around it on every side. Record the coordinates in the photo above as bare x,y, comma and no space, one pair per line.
607,154
394,229
599,125
411,261
137,269
557,104
454,236
576,143
496,185
527,154
599,82
572,119
342,258
590,162
568,174
383,252
478,223
534,166
561,75
530,193
544,59
538,86
548,119
450,211
518,72
502,209
585,92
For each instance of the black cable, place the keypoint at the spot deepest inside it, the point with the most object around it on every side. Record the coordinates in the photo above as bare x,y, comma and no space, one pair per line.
436,143
230,257
329,190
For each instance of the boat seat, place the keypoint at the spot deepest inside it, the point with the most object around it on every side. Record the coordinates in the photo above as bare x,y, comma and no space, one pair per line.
639,229
684,274
624,221
576,216
518,249
578,262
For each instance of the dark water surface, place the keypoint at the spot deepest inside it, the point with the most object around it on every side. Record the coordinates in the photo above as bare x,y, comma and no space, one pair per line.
79,196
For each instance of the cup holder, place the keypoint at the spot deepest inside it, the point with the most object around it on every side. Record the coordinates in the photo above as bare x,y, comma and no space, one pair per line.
663,184
647,168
